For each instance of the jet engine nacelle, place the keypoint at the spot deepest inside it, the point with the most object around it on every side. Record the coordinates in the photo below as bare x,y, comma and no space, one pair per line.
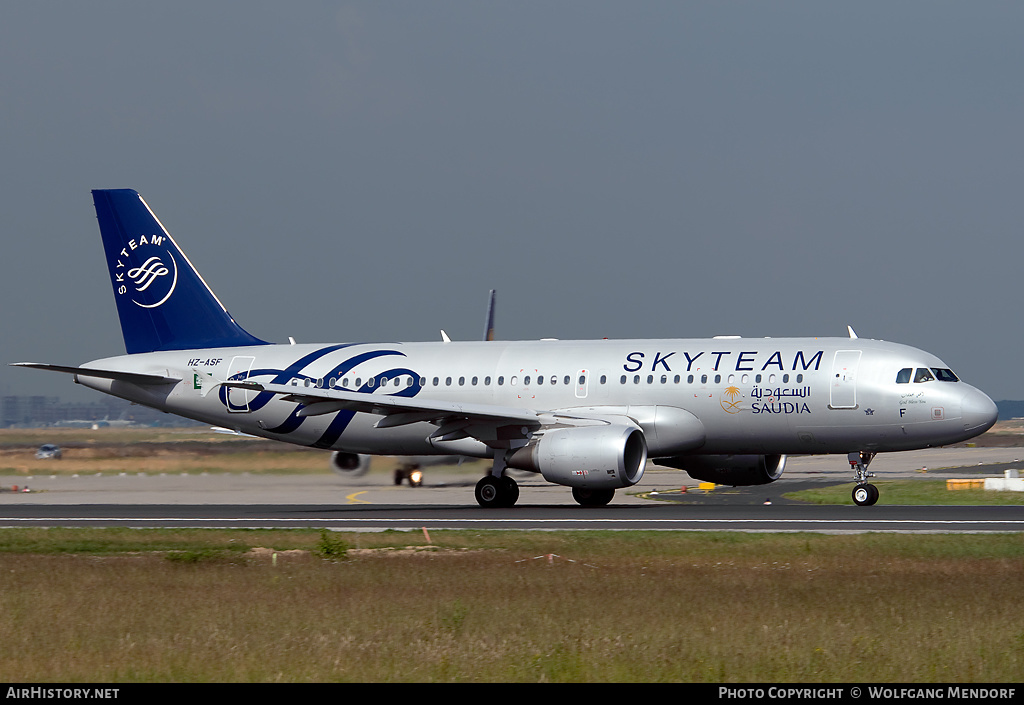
350,464
733,470
587,457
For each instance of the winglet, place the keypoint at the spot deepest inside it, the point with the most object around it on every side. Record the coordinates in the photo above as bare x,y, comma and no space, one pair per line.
852,333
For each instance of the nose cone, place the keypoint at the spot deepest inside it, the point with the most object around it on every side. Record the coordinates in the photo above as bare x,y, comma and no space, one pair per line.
979,412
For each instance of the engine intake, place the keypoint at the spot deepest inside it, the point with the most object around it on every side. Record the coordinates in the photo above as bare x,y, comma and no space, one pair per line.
736,470
587,457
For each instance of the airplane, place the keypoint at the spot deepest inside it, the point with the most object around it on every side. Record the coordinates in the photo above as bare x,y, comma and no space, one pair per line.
586,414
410,467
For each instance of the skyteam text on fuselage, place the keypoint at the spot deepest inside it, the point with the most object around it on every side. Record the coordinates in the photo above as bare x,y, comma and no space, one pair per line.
584,414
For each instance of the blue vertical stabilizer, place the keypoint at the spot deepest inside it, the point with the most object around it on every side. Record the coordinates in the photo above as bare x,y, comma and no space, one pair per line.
162,301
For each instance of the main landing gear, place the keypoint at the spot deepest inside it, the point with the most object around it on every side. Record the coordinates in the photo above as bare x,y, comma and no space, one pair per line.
409,473
592,498
864,494
494,491
497,489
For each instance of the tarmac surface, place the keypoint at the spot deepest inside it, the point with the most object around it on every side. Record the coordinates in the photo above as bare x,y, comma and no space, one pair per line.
446,500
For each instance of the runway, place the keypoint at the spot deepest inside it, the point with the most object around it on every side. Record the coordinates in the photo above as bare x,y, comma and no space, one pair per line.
722,517
446,501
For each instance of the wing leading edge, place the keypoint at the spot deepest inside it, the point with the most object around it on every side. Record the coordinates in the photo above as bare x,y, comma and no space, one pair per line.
496,426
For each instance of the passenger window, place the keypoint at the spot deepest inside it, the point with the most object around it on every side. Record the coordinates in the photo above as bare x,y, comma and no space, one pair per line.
622,379
757,379
650,379
923,375
567,379
703,379
447,381
487,381
540,379
718,379
785,379
526,381
636,379
903,376
501,381
604,378
689,379
474,381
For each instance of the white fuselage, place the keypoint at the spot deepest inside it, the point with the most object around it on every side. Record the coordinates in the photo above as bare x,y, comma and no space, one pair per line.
750,395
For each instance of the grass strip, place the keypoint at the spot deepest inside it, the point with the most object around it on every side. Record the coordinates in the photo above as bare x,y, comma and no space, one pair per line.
910,492
108,605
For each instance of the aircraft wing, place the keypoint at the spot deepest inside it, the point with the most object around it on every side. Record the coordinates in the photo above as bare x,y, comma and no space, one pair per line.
485,422
133,377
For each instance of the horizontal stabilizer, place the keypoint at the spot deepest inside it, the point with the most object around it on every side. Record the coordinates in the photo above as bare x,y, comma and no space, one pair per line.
133,377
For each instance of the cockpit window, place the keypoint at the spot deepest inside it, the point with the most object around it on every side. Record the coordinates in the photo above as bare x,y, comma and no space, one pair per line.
923,375
944,375
903,376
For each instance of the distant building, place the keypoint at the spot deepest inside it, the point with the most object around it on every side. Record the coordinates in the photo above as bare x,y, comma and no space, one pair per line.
32,411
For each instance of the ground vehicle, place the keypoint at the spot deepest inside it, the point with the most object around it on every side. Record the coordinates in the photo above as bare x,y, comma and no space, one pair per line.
49,451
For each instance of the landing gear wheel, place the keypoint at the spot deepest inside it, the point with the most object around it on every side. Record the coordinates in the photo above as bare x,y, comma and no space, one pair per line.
488,491
592,498
865,495
494,491
510,490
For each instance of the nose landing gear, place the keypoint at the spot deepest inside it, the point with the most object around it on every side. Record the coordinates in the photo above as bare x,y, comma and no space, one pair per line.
864,494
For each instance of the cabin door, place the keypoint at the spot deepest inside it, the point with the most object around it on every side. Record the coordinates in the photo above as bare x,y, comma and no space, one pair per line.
843,392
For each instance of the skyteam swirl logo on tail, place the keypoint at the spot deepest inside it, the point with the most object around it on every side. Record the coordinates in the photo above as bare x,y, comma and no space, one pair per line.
146,272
